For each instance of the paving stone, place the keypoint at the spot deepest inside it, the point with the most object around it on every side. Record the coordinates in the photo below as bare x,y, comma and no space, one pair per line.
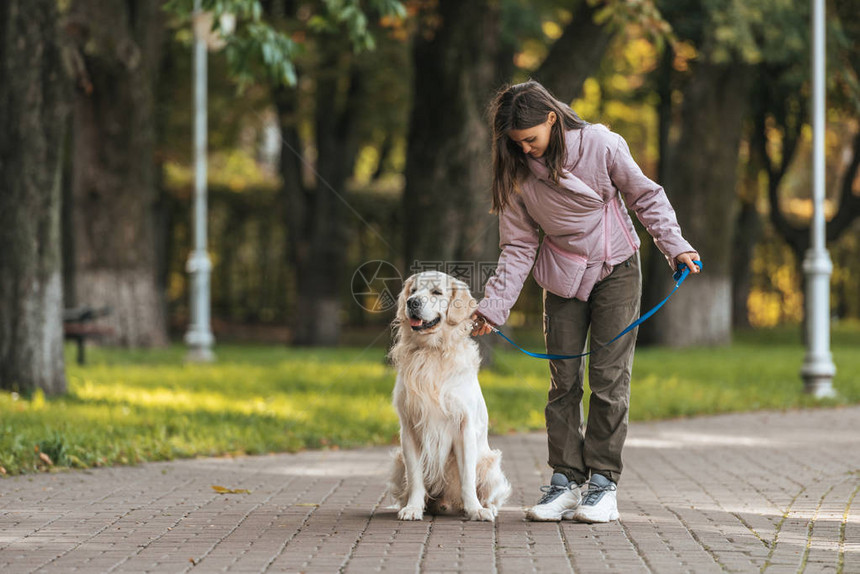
734,493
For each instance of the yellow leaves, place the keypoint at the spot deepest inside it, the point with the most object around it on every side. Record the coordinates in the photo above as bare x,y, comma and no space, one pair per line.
528,59
587,107
396,27
42,460
684,53
768,309
801,208
552,30
224,490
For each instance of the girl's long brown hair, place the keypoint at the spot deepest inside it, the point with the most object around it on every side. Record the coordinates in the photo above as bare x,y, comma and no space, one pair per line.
520,107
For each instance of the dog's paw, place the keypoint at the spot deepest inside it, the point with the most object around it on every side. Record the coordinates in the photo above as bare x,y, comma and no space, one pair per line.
411,513
480,513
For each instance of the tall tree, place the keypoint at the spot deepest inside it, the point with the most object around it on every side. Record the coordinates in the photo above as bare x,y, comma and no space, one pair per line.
342,87
33,109
700,165
580,49
700,179
266,47
114,172
447,166
748,231
797,234
776,131
787,113
316,215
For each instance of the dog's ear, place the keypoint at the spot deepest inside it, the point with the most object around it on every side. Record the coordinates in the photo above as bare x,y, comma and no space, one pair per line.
461,305
401,299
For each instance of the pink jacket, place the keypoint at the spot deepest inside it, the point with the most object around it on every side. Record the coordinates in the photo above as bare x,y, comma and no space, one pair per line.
587,230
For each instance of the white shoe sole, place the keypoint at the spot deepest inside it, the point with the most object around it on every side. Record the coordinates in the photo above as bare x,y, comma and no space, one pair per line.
594,519
535,518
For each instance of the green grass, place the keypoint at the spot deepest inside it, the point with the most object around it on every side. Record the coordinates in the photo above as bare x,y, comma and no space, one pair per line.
131,406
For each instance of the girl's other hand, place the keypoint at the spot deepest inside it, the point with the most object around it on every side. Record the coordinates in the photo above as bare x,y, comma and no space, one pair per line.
480,324
687,259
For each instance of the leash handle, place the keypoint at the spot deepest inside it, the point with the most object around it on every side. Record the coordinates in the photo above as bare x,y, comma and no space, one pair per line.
680,274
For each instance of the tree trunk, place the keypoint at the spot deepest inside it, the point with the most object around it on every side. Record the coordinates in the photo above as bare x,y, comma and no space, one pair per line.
564,74
317,217
654,265
748,228
448,173
115,185
746,237
33,110
700,180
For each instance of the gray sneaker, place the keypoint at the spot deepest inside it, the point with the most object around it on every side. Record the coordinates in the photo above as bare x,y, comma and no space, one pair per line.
599,504
561,496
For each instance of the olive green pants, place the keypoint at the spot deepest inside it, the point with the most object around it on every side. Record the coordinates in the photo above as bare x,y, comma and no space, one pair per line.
577,450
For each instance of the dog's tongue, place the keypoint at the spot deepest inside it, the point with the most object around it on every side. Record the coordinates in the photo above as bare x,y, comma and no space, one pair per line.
415,322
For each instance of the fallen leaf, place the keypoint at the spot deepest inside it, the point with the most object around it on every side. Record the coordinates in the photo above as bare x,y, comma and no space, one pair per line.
2,471
193,561
224,490
46,459
314,504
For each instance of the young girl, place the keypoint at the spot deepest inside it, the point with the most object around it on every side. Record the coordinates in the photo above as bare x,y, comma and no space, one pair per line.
556,172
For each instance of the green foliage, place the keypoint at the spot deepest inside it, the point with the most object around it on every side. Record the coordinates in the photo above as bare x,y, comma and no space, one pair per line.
275,50
641,13
250,43
255,47
133,406
349,14
742,31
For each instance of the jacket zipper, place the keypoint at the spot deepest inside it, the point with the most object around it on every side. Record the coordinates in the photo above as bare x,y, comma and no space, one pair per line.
606,250
617,211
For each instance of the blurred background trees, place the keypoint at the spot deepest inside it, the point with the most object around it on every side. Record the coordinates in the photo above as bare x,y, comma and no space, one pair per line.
683,82
34,105
383,153
110,237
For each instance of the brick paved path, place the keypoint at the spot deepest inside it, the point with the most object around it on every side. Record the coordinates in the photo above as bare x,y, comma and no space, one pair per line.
739,493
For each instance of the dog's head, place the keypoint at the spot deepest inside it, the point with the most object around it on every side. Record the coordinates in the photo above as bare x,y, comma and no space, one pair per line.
433,302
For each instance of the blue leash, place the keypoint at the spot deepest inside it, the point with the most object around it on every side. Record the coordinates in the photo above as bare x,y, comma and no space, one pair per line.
679,277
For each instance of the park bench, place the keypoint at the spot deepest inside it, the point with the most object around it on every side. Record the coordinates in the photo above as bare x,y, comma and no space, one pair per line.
79,325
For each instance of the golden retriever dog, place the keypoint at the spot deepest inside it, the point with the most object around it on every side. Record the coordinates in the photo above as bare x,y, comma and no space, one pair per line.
445,464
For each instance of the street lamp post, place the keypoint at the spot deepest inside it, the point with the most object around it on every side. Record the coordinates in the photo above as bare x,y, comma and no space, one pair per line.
818,368
199,336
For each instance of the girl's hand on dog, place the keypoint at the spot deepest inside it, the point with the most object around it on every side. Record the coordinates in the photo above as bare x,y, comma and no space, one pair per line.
480,325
